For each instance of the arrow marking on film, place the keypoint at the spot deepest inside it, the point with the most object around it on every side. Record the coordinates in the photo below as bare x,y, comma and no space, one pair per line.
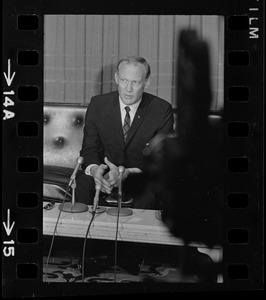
8,229
8,77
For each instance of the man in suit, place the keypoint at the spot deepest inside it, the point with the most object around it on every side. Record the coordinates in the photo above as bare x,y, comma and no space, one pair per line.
118,127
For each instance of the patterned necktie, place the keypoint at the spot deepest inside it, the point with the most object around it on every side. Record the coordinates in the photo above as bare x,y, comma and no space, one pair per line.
126,123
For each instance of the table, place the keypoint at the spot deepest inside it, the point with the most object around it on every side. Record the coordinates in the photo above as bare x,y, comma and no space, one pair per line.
142,226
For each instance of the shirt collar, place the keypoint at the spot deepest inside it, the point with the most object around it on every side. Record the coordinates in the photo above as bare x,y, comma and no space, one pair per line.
133,107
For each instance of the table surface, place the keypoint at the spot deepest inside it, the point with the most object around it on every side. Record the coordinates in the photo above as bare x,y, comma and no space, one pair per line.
142,226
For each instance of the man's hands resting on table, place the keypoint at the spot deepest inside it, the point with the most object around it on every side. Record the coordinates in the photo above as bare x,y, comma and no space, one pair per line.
110,179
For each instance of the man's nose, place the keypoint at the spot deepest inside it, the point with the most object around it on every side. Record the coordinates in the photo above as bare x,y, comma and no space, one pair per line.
129,87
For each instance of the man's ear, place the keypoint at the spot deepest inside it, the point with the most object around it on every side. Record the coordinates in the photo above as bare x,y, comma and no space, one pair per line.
148,82
116,77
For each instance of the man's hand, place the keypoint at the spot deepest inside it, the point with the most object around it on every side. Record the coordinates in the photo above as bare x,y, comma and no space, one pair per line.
97,173
113,175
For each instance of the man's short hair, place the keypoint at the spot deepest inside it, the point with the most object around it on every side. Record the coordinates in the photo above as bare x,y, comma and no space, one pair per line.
135,60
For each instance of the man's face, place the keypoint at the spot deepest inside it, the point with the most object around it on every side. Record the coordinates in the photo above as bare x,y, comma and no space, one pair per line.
131,82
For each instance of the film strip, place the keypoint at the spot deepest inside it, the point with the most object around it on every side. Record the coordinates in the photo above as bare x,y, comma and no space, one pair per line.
22,159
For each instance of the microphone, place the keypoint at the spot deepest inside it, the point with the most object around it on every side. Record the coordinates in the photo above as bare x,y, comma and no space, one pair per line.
95,209
73,176
124,211
121,170
74,207
96,197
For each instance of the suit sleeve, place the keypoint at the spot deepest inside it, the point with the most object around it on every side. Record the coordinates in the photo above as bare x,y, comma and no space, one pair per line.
92,149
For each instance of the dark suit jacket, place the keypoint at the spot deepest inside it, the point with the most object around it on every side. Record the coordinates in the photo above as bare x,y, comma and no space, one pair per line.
103,133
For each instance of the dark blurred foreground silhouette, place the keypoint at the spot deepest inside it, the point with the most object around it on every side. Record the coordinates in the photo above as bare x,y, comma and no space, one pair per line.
186,169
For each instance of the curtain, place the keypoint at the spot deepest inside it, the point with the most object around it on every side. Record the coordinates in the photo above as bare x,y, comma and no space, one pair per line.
81,53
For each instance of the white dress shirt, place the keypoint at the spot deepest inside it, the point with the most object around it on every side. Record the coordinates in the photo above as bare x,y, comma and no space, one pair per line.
132,112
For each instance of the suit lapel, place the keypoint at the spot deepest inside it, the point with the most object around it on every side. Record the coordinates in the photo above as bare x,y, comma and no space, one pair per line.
138,119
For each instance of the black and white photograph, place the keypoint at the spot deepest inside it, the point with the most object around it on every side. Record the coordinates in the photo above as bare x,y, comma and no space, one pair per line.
132,147
139,179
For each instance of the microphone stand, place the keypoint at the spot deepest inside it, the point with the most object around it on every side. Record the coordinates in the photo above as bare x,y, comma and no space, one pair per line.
95,209
119,211
73,207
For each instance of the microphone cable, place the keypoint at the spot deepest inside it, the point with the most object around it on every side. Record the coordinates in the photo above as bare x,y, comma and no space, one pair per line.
121,170
116,234
84,244
52,242
79,162
85,240
94,209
